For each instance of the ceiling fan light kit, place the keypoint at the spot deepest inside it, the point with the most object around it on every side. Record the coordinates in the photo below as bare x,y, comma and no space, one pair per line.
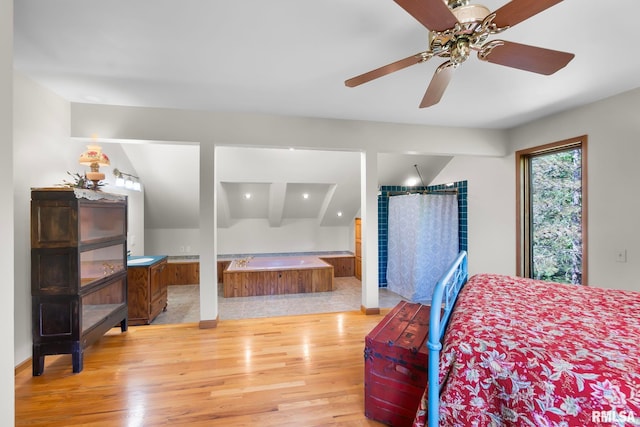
470,13
456,28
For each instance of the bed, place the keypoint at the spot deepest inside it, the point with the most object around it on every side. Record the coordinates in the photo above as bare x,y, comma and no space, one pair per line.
514,351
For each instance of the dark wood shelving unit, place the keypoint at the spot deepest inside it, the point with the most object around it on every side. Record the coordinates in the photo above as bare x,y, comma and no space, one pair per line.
78,270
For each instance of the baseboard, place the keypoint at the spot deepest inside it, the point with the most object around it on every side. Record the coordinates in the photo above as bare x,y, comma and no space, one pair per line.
369,311
209,324
22,366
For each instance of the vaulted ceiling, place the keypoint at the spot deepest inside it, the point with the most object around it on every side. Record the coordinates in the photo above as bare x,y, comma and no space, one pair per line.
291,57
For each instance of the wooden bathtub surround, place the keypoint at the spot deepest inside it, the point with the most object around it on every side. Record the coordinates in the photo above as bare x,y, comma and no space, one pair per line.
222,266
285,371
182,273
277,282
343,265
188,272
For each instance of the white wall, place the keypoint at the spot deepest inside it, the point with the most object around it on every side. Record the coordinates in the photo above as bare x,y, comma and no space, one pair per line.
613,130
491,210
43,153
135,221
612,127
7,363
255,236
172,241
135,199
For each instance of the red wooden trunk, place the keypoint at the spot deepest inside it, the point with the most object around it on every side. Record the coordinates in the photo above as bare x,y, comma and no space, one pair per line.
395,367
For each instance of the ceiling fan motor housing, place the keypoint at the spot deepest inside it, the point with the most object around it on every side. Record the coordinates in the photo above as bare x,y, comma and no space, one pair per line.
460,50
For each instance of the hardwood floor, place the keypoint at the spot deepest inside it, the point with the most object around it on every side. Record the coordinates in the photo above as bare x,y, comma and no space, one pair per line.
305,370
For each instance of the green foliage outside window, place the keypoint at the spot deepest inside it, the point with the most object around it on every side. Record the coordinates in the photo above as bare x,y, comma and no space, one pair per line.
556,193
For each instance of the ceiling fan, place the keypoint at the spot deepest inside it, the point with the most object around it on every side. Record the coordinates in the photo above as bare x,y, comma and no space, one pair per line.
456,28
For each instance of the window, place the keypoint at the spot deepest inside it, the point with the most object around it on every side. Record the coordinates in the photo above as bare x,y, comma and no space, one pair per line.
551,210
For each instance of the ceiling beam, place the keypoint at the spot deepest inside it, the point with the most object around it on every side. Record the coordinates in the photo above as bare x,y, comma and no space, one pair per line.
277,193
224,217
325,203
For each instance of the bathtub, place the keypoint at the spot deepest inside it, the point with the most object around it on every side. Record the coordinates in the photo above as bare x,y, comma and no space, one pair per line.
254,276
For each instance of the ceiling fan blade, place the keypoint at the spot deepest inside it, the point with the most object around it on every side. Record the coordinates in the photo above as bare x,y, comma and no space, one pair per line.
439,83
524,57
517,11
433,14
388,69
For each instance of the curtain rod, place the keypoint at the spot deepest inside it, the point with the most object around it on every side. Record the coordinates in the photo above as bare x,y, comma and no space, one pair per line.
436,192
420,175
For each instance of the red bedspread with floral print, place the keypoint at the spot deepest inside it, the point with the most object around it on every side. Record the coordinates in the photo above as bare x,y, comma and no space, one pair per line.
519,352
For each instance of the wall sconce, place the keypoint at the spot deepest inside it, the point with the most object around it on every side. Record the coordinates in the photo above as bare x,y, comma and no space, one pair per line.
94,158
126,180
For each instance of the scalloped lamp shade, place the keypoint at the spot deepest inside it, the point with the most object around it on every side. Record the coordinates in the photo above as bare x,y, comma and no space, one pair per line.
94,158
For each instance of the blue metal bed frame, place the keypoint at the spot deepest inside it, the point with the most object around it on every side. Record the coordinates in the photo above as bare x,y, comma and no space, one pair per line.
445,292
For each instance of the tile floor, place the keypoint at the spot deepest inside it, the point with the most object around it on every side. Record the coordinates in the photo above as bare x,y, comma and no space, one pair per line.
184,303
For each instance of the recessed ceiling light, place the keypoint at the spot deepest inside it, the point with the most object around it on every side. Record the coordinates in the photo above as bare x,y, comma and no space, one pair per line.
411,182
339,213
247,196
305,195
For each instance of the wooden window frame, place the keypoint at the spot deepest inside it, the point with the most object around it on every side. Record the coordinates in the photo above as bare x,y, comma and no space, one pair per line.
522,200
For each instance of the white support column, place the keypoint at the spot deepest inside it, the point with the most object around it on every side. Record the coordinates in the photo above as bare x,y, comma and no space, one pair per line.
208,246
369,214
